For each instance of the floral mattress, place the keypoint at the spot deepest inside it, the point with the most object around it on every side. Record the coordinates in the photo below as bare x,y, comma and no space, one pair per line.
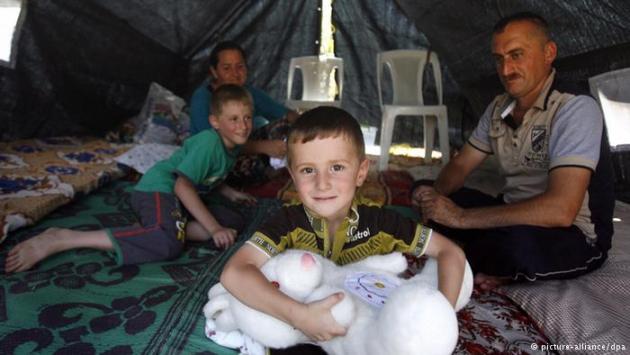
39,175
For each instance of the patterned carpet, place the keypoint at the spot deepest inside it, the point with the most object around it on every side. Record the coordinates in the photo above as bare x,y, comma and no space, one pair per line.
80,302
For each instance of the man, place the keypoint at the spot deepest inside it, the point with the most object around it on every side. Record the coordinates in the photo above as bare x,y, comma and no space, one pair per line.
554,216
228,66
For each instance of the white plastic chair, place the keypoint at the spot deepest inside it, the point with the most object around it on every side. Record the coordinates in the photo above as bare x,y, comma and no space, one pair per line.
612,90
316,82
407,70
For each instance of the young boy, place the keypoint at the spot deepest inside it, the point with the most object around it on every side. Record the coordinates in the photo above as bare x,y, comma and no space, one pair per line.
157,199
327,163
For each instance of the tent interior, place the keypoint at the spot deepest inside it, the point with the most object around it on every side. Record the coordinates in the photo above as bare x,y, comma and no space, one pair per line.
84,68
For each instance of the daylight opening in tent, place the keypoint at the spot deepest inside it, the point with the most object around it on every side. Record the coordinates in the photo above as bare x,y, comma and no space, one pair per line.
327,44
616,114
9,15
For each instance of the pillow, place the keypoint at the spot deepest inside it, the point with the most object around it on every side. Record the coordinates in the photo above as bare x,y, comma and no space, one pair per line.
143,156
162,119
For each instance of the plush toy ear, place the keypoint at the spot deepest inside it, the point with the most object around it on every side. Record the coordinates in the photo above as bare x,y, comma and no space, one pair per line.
307,260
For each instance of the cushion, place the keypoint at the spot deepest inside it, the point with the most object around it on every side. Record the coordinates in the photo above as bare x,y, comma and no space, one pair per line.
143,156
162,119
591,309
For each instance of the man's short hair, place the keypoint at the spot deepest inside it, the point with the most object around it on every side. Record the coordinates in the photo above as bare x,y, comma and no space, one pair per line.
325,122
229,92
222,46
534,18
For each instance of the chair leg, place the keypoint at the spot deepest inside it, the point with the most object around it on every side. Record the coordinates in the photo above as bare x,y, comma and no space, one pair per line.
445,147
387,130
429,137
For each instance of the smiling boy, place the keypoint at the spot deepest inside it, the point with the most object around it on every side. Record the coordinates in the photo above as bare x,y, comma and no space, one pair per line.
327,163
158,198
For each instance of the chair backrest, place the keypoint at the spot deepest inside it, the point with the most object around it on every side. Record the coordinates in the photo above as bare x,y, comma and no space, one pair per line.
316,74
612,90
406,67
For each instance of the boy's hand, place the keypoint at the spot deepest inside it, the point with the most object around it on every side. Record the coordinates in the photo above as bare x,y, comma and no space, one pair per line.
242,197
224,237
317,321
237,196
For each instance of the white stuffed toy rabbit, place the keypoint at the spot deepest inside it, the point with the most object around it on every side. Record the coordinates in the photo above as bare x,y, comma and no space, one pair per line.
383,313
297,274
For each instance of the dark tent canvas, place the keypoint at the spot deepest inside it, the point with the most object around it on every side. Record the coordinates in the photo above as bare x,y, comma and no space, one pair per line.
75,60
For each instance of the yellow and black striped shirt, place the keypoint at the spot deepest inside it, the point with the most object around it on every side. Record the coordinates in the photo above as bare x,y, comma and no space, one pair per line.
368,230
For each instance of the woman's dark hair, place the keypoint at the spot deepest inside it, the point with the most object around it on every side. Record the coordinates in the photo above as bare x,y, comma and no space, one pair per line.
222,46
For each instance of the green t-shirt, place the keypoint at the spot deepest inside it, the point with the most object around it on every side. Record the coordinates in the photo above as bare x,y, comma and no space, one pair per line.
203,159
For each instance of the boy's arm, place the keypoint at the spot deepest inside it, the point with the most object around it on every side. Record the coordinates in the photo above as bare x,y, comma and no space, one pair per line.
292,116
242,277
187,194
451,265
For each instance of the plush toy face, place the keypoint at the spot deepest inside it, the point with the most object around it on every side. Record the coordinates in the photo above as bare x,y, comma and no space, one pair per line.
295,273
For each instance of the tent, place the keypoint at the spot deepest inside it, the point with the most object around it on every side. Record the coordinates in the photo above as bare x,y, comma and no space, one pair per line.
84,67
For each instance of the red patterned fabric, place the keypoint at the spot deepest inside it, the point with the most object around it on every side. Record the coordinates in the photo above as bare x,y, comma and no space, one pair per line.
491,323
397,183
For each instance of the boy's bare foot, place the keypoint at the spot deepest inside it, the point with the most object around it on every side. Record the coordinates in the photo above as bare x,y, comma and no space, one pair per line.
489,283
29,252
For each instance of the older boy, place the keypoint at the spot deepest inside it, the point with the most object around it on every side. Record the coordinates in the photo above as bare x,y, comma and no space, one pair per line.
205,159
228,65
327,163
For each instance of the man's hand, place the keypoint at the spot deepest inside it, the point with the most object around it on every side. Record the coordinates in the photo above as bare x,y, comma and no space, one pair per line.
317,321
437,208
223,237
